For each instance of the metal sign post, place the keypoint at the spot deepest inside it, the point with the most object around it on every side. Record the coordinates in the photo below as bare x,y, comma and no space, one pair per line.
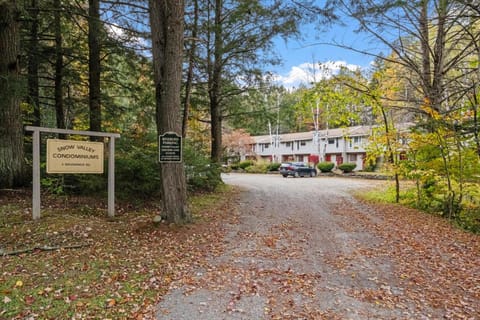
36,165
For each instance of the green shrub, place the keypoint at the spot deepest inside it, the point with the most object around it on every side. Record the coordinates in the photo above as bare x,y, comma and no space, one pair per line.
53,183
347,167
273,166
84,184
245,164
202,175
234,166
257,168
469,219
325,166
89,184
137,175
226,169
203,178
370,166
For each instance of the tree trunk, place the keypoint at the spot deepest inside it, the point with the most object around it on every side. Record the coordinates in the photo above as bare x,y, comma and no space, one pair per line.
391,156
438,85
476,125
214,90
433,75
166,21
475,101
94,31
33,91
191,61
426,73
12,166
216,131
59,110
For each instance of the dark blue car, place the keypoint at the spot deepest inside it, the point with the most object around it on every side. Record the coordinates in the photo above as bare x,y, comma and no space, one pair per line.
297,169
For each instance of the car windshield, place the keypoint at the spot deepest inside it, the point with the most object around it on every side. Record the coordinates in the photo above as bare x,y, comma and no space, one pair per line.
300,164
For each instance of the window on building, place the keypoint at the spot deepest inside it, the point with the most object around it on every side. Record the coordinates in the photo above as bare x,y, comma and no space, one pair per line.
352,158
288,144
331,141
303,143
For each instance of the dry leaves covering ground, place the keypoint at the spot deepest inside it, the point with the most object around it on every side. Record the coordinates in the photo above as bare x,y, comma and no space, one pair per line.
436,264
303,249
241,259
75,263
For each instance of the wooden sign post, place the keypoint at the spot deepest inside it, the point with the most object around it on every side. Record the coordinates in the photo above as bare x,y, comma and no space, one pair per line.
69,156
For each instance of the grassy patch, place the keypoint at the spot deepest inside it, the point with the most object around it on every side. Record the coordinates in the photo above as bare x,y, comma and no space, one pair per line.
383,195
76,263
468,218
200,201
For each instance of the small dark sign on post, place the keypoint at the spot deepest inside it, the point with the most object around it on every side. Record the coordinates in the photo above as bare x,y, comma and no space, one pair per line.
170,145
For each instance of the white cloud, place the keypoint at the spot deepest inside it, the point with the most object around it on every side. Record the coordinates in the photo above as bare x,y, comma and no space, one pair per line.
308,73
116,31
135,42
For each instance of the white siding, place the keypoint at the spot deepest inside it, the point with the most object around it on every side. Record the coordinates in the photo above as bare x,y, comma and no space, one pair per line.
347,143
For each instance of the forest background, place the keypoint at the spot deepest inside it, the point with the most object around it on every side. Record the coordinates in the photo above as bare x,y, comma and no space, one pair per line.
90,66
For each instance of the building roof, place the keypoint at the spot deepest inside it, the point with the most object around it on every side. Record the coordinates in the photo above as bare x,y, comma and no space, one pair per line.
348,131
356,131
330,133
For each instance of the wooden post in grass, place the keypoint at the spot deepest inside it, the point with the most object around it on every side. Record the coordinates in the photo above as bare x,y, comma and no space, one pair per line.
79,167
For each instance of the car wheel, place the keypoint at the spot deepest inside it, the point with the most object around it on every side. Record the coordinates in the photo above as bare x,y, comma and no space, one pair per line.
285,175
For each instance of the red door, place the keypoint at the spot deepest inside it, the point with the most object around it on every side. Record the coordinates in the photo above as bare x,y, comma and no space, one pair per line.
339,160
313,158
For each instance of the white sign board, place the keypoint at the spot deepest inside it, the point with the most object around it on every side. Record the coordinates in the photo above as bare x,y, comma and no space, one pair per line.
72,156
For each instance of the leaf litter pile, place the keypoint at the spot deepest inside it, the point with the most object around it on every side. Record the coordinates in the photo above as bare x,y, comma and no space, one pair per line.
78,264
436,265
396,263
75,263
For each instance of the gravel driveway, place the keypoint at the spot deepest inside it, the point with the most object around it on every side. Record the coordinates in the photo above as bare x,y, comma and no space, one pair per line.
301,248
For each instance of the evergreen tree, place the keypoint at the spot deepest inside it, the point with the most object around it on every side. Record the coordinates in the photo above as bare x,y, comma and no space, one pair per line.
167,27
12,163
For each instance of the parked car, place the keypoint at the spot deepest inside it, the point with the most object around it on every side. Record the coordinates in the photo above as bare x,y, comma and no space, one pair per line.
297,169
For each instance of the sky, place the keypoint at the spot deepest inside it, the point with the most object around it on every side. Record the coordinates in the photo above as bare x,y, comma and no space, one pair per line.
300,57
